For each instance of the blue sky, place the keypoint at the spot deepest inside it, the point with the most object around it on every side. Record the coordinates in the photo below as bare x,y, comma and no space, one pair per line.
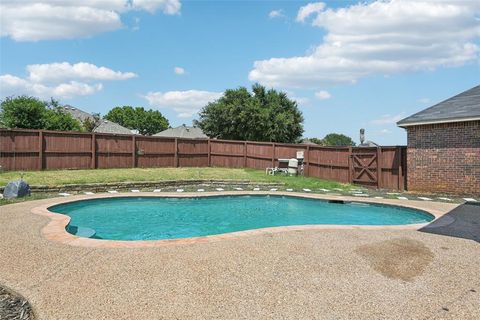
348,64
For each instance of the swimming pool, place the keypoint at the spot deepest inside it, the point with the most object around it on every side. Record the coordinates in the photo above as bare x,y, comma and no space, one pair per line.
156,218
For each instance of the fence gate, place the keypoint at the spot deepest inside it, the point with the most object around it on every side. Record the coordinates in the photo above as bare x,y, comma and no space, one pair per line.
364,166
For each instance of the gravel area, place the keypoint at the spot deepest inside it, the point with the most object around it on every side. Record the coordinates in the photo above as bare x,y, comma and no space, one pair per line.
14,307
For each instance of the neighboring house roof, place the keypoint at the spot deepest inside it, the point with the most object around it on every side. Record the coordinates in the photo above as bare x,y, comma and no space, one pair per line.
308,141
183,131
368,143
78,114
106,126
462,107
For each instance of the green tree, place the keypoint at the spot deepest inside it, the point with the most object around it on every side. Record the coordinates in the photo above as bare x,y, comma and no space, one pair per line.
57,119
147,122
23,112
32,113
264,115
336,139
89,124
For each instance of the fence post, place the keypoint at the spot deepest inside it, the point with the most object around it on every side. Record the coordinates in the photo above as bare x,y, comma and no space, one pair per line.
40,150
307,161
379,168
176,154
400,169
273,155
209,153
350,167
245,154
94,151
134,151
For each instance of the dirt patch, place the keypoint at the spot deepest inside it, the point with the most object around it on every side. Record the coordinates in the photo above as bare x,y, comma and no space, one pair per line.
400,258
13,306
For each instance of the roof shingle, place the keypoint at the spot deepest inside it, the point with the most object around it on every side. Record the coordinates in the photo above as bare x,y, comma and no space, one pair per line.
462,107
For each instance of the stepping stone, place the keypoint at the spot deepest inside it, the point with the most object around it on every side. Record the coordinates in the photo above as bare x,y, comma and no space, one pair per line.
256,189
324,190
219,189
135,190
157,190
469,199
112,191
273,189
402,198
425,198
88,193
289,190
307,190
238,189
361,195
200,190
64,194
445,199
179,190
378,197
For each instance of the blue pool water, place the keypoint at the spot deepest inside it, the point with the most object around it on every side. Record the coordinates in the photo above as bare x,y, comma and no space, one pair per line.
152,218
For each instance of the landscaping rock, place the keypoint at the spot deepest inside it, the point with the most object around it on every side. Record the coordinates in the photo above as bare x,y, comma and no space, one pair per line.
16,189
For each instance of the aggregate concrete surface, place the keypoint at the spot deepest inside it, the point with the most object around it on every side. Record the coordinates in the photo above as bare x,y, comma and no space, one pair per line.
308,274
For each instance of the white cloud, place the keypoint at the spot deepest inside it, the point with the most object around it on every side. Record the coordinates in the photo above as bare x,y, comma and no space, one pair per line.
32,20
184,103
309,9
55,72
179,71
378,38
276,14
59,80
388,119
323,95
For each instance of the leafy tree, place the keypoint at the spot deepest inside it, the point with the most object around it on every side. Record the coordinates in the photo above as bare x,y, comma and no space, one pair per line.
89,124
57,119
336,139
147,122
32,113
264,115
23,112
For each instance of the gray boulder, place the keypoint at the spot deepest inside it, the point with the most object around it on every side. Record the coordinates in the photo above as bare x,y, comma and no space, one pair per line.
16,189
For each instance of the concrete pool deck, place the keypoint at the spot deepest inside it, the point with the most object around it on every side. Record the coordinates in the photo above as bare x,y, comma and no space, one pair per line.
328,273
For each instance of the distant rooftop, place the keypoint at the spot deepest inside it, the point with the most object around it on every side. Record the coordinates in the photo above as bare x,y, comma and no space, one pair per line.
183,131
78,114
106,126
462,107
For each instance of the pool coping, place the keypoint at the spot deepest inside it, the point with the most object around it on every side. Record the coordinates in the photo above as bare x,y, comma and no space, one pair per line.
55,230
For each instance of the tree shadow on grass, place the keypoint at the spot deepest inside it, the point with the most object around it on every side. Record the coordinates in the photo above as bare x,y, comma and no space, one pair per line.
461,222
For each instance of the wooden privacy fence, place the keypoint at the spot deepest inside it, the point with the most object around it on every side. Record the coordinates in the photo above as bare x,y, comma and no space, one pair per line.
382,167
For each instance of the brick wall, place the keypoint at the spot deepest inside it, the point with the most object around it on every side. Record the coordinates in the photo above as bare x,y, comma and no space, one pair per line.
444,157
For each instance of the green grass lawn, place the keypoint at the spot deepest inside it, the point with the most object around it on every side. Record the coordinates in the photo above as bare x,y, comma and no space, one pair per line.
62,177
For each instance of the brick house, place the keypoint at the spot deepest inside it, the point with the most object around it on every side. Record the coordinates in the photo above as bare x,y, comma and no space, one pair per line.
444,146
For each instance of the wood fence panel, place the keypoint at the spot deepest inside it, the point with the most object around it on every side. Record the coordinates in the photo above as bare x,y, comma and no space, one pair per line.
192,153
227,154
19,150
259,155
155,152
114,151
66,151
330,163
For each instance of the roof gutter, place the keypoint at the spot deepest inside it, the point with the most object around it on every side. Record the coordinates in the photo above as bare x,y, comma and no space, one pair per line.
421,123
